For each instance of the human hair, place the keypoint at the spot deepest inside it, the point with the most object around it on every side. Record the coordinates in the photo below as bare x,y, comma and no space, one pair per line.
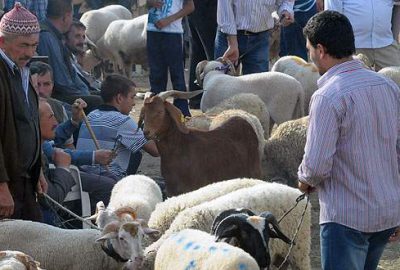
78,24
113,85
332,30
58,8
40,68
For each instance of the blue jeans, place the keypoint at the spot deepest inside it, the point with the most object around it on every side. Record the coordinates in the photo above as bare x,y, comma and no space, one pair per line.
343,248
165,52
293,41
255,49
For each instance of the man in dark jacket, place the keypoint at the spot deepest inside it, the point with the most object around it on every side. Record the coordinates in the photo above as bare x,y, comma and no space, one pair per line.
20,170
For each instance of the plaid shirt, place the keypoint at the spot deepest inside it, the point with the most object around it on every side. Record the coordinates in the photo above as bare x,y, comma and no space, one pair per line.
37,7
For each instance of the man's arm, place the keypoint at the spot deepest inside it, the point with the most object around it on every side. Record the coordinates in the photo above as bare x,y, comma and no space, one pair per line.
188,7
6,200
151,148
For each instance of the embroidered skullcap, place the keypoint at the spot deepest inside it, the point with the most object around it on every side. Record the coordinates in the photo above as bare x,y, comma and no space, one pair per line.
19,21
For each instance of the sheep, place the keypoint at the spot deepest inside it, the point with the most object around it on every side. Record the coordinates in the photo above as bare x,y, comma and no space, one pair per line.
284,151
282,94
85,249
194,249
126,41
306,73
391,73
273,197
186,161
244,229
16,260
247,102
135,195
165,212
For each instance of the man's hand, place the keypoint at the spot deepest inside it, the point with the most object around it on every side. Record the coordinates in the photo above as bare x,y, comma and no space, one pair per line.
303,187
6,201
104,157
61,159
232,53
77,109
287,18
395,236
320,5
160,24
42,184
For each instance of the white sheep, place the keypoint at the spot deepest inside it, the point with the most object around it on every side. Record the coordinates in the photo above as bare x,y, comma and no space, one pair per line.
284,151
194,249
391,73
126,41
247,102
63,249
136,195
16,260
273,197
282,94
306,73
165,212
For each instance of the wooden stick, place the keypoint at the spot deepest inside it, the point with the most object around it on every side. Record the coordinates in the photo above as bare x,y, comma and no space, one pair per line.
89,127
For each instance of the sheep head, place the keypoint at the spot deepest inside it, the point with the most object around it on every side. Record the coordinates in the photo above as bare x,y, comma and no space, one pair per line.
157,114
17,260
203,67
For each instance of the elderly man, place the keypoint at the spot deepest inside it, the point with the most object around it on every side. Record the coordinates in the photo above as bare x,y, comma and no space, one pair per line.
20,169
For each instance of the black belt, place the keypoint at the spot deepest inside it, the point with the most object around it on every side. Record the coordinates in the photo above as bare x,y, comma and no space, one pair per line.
249,33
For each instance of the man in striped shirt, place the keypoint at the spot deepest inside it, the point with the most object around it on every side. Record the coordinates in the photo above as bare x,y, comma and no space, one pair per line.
243,31
352,152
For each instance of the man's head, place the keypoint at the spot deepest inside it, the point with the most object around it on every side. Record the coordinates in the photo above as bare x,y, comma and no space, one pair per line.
75,37
329,37
60,13
44,78
19,35
48,122
118,91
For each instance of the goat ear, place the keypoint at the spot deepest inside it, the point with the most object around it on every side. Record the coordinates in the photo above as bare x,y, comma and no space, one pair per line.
275,231
177,117
200,72
141,119
109,235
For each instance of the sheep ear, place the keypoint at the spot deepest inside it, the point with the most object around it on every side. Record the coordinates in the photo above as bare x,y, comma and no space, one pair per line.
177,117
153,233
275,231
200,72
109,235
100,207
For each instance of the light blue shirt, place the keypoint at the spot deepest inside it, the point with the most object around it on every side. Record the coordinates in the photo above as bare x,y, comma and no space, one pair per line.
371,20
169,8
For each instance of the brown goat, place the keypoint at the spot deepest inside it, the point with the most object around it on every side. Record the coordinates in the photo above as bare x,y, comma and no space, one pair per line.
191,158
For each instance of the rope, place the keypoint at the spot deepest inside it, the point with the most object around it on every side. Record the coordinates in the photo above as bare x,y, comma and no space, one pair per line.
300,198
71,213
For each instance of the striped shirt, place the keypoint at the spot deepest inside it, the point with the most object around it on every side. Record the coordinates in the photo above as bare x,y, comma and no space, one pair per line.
113,130
352,152
251,15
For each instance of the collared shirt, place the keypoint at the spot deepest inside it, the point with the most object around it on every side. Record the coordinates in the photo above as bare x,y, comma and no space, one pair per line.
24,73
352,152
371,20
113,130
37,7
251,15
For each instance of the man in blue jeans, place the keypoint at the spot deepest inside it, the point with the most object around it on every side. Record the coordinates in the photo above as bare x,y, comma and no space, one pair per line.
164,46
352,149
243,31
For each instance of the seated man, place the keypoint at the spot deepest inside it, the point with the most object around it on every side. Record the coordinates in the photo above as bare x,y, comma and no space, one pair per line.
68,86
115,129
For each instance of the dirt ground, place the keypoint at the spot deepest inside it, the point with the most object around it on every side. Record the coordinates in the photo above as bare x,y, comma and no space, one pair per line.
150,166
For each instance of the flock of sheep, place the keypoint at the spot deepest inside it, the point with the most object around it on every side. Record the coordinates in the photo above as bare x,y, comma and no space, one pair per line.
138,230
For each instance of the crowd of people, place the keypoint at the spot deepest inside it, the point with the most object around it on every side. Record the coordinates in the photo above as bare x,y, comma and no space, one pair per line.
353,141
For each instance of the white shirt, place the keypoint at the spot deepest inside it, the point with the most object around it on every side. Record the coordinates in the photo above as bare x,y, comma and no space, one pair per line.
371,20
170,7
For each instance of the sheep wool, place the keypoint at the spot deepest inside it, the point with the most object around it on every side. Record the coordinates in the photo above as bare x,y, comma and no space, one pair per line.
391,73
165,212
193,249
56,248
273,197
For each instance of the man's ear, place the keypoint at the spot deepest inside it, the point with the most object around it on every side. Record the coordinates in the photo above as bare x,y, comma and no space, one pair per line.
322,50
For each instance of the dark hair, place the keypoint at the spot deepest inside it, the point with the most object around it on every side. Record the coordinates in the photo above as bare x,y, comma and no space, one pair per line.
58,8
332,30
113,85
78,24
40,68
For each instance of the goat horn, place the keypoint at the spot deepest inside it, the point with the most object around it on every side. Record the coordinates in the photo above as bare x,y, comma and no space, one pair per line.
179,94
